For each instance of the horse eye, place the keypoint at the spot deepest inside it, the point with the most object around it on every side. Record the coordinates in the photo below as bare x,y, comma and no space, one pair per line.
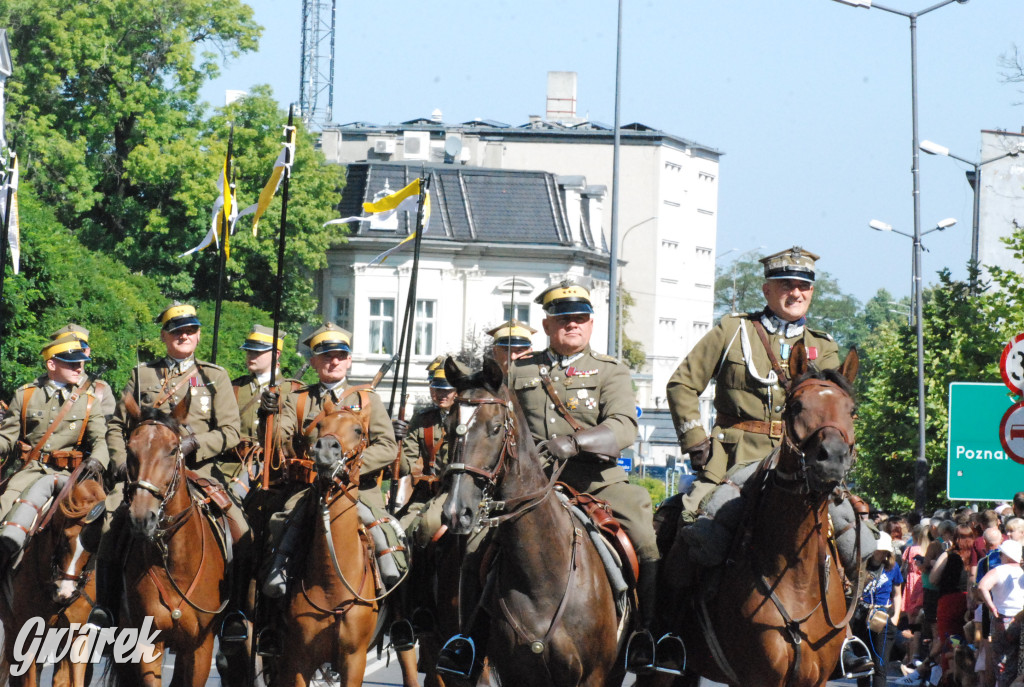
796,407
358,431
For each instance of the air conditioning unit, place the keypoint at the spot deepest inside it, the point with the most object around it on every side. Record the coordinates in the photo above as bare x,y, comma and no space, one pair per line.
384,146
417,145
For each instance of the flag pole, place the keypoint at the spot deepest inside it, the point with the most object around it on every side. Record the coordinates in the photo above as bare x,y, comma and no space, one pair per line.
410,328
4,237
225,210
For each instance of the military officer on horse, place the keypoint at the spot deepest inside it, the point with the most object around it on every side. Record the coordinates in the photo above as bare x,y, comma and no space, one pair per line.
580,407
511,342
104,394
55,423
212,430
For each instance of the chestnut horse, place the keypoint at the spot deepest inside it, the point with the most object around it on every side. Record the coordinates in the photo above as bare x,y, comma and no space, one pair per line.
53,581
331,609
174,570
553,617
775,613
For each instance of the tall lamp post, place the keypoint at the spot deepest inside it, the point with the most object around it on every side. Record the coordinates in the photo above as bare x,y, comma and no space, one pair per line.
618,333
921,465
613,268
974,179
922,461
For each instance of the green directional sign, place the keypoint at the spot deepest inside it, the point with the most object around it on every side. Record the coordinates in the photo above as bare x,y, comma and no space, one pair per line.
978,468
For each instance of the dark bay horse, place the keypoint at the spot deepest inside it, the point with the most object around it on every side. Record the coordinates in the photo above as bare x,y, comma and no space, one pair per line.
331,610
776,614
552,614
174,569
54,581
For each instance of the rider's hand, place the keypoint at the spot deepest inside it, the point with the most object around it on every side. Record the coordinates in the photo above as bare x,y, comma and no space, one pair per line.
93,466
699,454
563,447
189,444
270,403
401,428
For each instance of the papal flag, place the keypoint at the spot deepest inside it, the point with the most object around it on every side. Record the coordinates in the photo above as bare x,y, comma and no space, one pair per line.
225,213
282,168
9,200
406,200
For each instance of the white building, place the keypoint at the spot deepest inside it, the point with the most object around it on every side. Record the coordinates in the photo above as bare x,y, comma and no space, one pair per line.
1002,197
668,205
497,239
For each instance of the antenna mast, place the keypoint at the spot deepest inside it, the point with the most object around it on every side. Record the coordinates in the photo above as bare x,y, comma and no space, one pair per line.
316,77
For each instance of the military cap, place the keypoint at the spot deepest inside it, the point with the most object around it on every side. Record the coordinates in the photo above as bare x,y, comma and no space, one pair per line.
438,380
259,338
436,363
512,333
329,337
792,263
176,316
77,330
565,298
68,349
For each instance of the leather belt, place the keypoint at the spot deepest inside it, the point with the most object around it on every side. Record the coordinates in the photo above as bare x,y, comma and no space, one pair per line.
772,428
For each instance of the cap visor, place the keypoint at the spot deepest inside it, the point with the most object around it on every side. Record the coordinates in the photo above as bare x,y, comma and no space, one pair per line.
179,322
570,308
255,346
328,346
802,276
73,357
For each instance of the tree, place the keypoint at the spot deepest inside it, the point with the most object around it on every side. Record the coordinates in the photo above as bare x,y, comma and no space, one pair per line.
738,286
632,352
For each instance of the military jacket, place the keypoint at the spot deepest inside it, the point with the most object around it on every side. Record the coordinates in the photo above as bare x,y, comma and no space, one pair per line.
212,409
415,446
105,398
247,394
596,389
43,408
733,355
381,449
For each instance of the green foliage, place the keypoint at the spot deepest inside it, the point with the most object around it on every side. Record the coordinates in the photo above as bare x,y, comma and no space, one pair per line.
236,319
632,352
654,487
738,285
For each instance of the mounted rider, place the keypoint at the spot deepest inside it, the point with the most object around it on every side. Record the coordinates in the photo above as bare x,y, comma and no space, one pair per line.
104,394
211,430
298,426
512,341
580,408
55,423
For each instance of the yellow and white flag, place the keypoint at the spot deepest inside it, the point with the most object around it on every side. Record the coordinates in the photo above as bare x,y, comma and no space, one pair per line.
406,200
10,186
282,168
224,207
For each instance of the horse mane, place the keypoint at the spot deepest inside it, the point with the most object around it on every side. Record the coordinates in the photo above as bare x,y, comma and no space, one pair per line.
833,376
161,417
82,498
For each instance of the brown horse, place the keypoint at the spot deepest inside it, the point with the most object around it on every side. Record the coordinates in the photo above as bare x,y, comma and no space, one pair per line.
174,570
774,613
553,617
331,610
53,581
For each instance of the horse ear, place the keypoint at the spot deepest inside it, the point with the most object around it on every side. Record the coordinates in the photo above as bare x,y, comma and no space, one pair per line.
452,372
798,361
851,365
131,407
180,411
493,376
328,406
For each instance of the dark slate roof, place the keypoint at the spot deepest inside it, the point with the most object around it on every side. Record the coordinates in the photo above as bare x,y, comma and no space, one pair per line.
468,203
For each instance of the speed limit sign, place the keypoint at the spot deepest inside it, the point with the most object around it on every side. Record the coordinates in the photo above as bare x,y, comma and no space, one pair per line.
1011,365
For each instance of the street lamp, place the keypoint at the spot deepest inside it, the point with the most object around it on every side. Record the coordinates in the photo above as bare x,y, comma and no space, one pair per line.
921,465
922,462
618,347
974,179
613,267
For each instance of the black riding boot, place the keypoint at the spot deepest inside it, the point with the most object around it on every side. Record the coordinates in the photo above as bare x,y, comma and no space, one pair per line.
108,573
403,636
640,652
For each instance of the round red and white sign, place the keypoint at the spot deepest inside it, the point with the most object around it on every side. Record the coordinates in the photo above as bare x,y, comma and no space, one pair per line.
1011,365
1011,432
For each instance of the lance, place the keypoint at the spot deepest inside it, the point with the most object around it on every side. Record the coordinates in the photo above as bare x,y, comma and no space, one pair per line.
225,210
5,229
409,328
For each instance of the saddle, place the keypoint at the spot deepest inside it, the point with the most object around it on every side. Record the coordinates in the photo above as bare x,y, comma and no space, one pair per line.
600,514
212,493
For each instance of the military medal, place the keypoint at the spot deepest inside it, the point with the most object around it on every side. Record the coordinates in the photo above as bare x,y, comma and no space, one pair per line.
572,403
591,403
784,350
582,393
573,372
204,403
812,352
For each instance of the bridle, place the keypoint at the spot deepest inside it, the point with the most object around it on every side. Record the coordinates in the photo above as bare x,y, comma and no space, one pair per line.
162,495
352,457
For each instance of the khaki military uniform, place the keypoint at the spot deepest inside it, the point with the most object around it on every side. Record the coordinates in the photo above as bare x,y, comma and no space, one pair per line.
105,398
746,390
247,393
597,390
425,448
44,405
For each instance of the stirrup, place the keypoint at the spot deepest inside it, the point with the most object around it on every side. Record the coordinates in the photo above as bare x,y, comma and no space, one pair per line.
848,643
636,662
403,637
451,660
100,618
233,629
671,654
267,643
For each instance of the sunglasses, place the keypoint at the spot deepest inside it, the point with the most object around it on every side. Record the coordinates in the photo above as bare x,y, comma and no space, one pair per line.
190,330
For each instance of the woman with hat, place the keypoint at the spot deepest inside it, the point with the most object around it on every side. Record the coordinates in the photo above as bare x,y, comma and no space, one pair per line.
878,612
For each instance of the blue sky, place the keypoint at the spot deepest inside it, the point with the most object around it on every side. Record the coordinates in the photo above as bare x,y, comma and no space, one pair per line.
808,99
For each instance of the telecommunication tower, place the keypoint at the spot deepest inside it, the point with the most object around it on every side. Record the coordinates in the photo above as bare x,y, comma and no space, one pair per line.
316,87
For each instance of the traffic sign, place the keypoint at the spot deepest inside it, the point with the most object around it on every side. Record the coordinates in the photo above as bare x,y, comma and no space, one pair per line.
1011,432
639,412
978,467
626,463
1011,364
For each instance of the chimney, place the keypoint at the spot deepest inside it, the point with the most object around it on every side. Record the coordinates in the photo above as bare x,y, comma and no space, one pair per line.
561,104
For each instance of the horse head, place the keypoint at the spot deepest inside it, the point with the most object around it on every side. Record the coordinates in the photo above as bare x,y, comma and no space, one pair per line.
343,433
78,525
484,436
818,436
156,462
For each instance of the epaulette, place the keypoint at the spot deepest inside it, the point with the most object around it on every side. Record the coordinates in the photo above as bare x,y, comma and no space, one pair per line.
26,386
533,358
604,358
215,366
820,333
242,380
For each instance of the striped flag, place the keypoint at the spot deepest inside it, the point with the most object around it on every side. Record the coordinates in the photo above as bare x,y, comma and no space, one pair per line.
282,168
223,208
9,200
406,200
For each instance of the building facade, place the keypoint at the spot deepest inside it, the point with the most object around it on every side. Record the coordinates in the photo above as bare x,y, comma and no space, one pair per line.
1002,197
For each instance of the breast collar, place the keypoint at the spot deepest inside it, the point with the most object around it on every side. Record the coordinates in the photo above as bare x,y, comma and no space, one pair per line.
775,324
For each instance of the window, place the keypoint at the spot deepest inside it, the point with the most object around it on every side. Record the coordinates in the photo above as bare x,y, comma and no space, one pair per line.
522,312
423,343
341,316
382,325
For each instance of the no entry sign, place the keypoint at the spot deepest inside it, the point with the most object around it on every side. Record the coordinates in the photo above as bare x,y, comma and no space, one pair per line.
1011,365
